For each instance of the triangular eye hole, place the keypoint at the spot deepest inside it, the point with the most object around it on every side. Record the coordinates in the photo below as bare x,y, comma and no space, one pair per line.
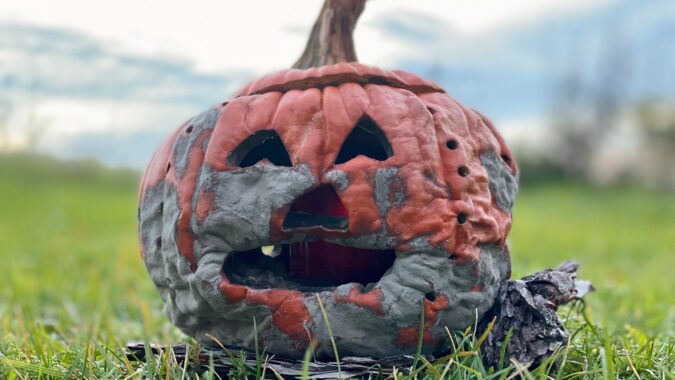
259,146
365,139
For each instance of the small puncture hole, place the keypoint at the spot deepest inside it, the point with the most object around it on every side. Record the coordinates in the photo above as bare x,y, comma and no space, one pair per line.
463,171
451,144
506,159
461,218
189,129
431,296
168,166
158,243
433,111
452,257
160,210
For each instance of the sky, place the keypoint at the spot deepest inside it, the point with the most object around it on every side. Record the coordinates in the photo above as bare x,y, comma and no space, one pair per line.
111,80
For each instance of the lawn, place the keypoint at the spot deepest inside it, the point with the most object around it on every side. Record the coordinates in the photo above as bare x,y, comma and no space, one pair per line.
75,291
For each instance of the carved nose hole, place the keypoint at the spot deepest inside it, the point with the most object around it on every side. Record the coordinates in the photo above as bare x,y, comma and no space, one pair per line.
320,207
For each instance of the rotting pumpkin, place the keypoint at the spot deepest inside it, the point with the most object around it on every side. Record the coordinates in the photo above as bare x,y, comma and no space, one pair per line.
373,189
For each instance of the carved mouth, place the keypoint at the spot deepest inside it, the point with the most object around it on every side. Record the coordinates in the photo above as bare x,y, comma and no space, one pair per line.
310,264
307,266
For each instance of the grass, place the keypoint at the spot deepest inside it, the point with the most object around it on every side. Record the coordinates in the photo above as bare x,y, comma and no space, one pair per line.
74,290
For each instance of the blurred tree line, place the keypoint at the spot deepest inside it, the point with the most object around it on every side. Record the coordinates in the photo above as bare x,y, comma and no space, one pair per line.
601,134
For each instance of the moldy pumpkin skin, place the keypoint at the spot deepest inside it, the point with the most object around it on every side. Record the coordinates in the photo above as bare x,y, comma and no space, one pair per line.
442,201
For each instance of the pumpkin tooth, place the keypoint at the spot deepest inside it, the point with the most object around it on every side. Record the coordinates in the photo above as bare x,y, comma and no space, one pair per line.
271,250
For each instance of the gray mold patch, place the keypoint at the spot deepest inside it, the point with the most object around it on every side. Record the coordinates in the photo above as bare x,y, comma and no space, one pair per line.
244,202
380,240
370,336
415,274
197,125
389,189
422,244
464,306
404,289
503,185
232,323
339,178
405,286
170,271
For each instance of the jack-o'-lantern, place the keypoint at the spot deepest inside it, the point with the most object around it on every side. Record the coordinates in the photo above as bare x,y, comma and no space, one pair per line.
373,189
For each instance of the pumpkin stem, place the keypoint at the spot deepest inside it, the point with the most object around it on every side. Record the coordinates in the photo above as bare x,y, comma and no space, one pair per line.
331,38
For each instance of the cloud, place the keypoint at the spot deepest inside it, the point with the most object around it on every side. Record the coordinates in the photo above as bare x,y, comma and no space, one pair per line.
40,61
117,149
72,95
412,27
515,71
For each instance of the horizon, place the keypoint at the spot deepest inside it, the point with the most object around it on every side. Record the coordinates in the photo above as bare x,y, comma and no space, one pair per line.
82,84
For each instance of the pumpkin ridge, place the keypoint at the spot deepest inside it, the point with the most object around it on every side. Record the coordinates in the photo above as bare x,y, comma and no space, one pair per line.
338,79
337,74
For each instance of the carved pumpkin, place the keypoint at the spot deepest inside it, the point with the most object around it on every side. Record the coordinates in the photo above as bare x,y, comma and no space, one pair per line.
373,189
